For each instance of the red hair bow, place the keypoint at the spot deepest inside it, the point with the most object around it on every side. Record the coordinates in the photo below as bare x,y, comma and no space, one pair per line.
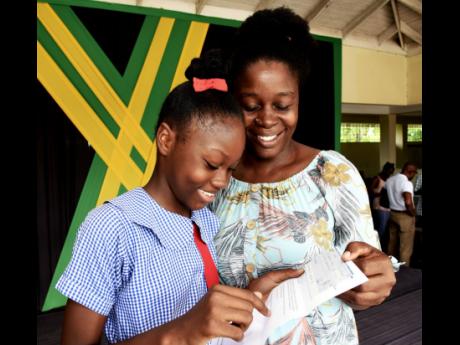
200,85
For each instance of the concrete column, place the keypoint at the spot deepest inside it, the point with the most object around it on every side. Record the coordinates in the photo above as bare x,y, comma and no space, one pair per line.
387,139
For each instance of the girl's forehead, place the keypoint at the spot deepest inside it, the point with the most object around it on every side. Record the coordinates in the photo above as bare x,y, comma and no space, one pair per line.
212,123
213,133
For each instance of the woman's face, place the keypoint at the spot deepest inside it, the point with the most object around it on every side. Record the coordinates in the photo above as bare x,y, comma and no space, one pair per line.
269,95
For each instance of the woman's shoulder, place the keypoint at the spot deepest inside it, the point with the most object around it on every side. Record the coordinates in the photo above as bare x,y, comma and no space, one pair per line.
331,164
308,154
306,157
334,155
337,158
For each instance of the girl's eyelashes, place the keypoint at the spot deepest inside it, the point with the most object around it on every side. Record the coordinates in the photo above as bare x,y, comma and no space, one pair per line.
211,166
216,166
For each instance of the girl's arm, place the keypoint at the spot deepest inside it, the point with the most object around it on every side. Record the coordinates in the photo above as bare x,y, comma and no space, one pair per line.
81,325
215,315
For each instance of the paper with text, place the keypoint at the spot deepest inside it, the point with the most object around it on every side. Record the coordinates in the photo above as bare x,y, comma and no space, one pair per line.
326,276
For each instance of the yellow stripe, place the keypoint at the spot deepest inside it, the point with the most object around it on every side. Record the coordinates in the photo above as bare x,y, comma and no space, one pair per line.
110,187
192,48
85,119
149,70
92,76
142,89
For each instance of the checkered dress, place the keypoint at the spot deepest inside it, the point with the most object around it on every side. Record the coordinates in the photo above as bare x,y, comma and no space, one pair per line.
137,264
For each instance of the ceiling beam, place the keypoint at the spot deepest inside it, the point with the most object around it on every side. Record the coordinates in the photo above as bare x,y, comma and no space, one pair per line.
262,4
379,109
319,8
414,5
363,16
398,23
199,4
411,33
387,34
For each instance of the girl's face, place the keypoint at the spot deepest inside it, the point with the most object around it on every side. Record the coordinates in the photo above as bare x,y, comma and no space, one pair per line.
199,166
268,93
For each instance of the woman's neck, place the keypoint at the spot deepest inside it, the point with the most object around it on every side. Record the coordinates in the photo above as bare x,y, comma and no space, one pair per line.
293,159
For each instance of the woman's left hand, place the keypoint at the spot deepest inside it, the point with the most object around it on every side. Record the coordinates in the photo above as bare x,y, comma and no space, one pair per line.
376,265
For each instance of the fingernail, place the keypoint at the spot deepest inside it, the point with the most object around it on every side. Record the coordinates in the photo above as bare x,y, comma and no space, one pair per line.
346,255
258,294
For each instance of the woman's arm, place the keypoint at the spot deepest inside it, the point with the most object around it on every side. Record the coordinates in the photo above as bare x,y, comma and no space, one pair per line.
363,245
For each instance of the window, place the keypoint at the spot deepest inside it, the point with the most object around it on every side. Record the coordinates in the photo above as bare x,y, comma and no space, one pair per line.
360,132
414,133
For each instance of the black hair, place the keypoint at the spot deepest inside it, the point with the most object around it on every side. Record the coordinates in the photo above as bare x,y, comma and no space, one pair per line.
274,35
388,166
387,170
184,104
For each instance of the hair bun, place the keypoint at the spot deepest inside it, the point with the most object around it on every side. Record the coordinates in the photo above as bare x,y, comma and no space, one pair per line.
277,34
211,64
276,27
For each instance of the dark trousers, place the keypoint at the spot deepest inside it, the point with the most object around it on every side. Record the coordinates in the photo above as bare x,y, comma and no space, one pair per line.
381,219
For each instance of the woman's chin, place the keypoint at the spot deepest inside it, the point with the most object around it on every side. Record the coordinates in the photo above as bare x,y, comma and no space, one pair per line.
265,153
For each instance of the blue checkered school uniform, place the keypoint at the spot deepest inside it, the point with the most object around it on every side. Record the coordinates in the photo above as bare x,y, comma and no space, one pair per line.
137,263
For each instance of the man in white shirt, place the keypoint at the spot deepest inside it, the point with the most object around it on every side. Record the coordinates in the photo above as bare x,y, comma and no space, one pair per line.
402,218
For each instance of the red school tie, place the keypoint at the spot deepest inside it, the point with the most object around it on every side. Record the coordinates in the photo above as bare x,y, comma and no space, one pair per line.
210,271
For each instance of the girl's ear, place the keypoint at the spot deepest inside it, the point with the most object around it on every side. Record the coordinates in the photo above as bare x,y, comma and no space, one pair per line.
166,139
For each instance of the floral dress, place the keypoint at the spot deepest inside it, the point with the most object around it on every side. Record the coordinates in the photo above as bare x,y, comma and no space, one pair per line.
268,226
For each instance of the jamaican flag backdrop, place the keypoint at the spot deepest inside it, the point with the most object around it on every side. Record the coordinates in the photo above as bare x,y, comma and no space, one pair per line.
108,68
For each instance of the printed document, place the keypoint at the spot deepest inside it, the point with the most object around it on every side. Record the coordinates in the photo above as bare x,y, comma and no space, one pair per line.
326,276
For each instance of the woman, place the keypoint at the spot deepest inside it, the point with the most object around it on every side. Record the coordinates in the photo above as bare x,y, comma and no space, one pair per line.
379,199
286,201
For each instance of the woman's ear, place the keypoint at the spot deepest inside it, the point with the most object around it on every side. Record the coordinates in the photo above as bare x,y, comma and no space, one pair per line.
166,139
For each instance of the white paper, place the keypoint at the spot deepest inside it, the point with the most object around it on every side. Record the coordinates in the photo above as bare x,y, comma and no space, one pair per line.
326,276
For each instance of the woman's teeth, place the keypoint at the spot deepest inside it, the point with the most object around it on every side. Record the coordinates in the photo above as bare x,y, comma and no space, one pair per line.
267,138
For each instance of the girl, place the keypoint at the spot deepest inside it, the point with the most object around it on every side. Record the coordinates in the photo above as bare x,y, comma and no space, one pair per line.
137,265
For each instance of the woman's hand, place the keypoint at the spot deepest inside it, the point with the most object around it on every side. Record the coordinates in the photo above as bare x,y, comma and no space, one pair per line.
376,265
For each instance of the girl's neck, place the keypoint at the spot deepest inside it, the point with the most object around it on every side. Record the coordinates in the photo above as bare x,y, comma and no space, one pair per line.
159,190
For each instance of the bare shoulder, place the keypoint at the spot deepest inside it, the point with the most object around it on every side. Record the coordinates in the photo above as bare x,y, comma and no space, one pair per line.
305,154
